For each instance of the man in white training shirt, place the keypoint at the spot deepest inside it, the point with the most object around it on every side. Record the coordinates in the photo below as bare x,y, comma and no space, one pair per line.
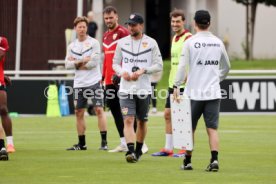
136,57
83,55
206,60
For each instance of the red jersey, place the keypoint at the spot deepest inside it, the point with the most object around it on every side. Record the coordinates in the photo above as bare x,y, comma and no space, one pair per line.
4,47
110,40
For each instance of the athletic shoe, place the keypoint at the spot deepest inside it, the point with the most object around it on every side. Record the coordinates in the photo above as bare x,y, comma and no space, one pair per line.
4,154
181,154
77,147
214,166
138,155
145,148
10,148
154,110
103,146
163,153
120,148
186,166
131,157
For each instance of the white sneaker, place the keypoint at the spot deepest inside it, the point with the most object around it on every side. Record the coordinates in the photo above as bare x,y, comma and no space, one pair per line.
120,148
145,148
154,110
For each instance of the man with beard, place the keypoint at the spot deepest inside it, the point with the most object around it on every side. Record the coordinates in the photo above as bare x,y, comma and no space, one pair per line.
136,57
110,79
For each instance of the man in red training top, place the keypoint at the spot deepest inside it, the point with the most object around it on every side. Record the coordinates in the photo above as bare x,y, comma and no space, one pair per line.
111,80
4,81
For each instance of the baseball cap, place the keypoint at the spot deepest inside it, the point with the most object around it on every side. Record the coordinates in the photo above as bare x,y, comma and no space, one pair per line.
202,17
135,18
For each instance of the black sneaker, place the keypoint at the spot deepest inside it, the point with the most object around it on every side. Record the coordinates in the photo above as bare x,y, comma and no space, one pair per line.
131,157
214,166
4,154
77,147
138,155
103,146
186,166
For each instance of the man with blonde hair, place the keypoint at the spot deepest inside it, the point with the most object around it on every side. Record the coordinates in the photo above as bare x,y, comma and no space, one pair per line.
83,55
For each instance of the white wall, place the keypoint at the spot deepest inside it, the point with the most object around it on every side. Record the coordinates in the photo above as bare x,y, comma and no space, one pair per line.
231,25
232,20
265,32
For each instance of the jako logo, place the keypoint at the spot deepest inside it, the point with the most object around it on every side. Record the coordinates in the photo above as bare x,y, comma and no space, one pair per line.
263,91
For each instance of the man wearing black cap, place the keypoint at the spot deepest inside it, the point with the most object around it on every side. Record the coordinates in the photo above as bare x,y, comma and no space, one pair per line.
206,59
136,57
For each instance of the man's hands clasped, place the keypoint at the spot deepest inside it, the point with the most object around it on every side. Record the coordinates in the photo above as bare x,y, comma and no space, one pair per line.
134,76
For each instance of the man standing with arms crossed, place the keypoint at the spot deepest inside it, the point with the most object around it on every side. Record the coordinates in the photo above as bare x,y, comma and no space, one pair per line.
111,80
181,35
5,81
136,57
205,58
83,55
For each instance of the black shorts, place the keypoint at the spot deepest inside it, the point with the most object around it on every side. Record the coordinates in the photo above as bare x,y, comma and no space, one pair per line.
94,92
4,88
170,91
209,109
135,105
111,95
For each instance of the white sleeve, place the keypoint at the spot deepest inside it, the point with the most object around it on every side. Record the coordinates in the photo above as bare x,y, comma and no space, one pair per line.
183,65
69,64
224,64
117,59
157,62
95,56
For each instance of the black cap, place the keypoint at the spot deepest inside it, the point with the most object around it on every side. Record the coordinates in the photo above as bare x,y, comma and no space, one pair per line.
135,18
202,17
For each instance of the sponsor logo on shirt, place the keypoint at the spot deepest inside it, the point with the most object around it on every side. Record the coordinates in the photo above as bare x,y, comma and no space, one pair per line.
115,36
198,45
211,62
145,44
127,60
199,62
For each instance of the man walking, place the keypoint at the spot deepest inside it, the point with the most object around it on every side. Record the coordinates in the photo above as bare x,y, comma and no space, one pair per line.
136,57
205,58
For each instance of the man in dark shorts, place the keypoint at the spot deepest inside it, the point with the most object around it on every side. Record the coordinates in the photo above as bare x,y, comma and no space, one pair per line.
136,57
205,57
5,81
83,55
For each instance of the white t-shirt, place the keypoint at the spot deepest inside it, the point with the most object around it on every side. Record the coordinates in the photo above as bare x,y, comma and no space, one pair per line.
143,53
205,61
79,50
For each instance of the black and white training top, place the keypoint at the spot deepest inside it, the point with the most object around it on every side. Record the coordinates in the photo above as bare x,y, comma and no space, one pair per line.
79,50
143,53
205,63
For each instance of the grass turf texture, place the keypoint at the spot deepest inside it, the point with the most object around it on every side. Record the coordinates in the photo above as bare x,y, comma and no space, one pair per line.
247,154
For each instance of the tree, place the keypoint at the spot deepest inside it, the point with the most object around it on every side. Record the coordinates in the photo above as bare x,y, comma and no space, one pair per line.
251,8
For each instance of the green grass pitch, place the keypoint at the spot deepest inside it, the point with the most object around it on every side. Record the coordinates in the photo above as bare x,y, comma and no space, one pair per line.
247,154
